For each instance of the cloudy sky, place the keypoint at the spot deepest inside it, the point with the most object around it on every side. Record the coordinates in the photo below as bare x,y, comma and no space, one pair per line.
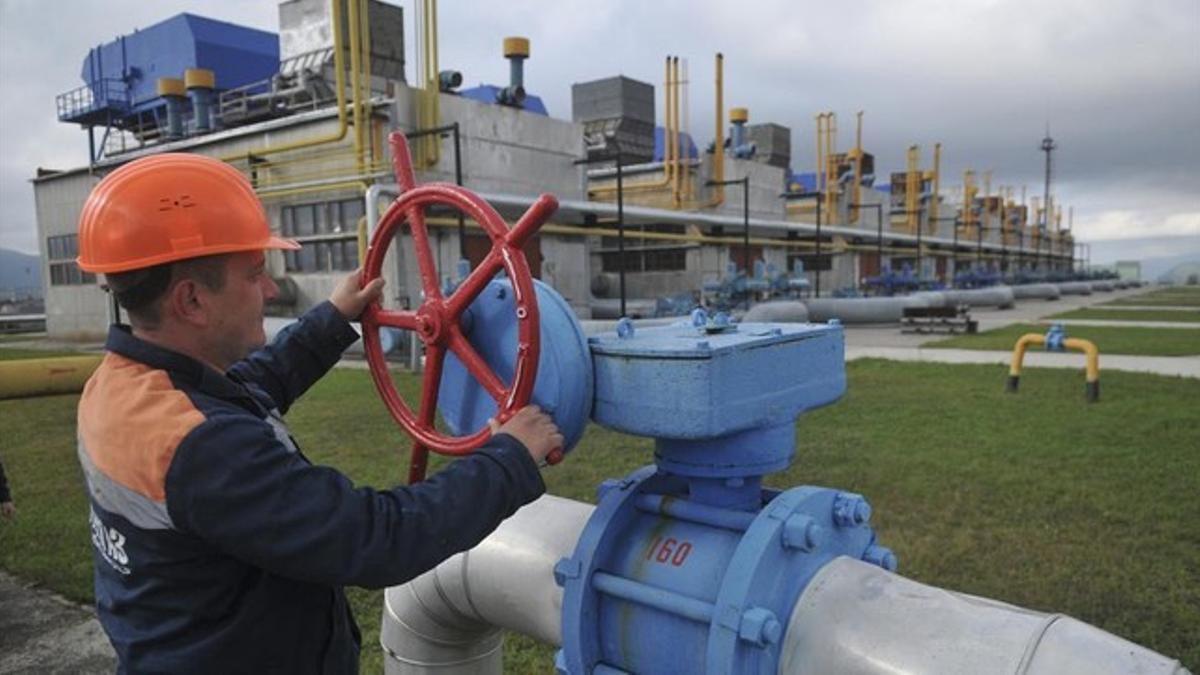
1117,80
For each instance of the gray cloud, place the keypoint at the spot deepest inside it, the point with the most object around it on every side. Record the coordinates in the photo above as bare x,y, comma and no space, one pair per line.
1119,82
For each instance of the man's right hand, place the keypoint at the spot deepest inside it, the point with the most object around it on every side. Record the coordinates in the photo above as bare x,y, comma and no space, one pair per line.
534,428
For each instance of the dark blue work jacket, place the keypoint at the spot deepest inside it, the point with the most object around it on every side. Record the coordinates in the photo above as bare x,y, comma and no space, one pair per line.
218,546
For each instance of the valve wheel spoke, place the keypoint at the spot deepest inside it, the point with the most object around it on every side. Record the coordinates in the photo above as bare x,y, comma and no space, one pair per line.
403,320
479,369
474,284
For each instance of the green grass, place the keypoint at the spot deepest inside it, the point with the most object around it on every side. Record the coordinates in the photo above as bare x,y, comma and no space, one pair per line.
1180,296
1038,499
1094,313
1108,339
18,353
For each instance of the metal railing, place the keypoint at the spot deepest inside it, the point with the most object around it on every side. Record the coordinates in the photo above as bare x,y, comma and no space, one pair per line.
98,95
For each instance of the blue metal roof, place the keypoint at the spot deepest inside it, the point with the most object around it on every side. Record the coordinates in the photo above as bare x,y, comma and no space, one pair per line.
486,93
685,142
801,182
122,75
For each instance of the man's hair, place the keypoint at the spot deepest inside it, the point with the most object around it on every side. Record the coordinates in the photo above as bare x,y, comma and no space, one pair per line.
140,292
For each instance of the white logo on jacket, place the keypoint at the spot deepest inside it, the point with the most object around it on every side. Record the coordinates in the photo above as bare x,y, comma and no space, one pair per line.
110,543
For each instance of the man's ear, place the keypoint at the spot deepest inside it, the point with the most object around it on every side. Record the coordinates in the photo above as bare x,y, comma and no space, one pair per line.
187,303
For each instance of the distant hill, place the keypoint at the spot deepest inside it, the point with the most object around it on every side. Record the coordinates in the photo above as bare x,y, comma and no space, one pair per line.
1154,268
20,272
1181,273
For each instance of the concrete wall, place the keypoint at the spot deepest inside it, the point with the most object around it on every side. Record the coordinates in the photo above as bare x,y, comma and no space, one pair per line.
72,312
508,151
504,150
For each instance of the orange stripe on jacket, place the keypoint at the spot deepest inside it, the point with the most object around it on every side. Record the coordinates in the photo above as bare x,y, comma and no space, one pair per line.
131,419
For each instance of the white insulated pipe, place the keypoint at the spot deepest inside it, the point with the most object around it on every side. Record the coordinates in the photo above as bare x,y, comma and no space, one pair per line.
449,620
634,214
857,619
852,617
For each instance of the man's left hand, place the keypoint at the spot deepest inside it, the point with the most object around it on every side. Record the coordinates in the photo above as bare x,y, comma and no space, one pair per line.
351,297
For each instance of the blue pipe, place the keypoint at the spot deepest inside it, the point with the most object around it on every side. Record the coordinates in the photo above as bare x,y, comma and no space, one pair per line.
201,109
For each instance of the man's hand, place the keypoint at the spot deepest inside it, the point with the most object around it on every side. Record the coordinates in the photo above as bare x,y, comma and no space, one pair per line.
9,509
534,429
351,298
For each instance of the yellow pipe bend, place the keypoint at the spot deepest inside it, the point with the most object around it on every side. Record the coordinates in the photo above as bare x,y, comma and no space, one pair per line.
1093,356
339,85
1018,358
1089,349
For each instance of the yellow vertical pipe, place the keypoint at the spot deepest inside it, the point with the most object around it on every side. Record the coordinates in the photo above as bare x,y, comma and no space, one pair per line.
356,82
673,134
987,198
912,185
688,191
719,135
1035,207
937,187
819,181
435,115
968,217
364,27
858,162
831,170
667,143
677,187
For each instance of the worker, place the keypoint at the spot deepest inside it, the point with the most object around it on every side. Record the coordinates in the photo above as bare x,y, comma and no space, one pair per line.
219,547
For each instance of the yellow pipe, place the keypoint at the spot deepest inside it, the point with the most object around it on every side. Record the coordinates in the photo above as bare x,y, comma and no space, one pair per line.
987,199
1018,357
666,163
41,377
365,62
937,186
1092,354
968,197
339,85
689,185
831,157
431,61
668,137
825,177
819,180
677,186
858,160
912,185
356,80
718,166
309,189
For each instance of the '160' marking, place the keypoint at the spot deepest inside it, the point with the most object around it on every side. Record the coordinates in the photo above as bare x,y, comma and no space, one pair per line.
669,550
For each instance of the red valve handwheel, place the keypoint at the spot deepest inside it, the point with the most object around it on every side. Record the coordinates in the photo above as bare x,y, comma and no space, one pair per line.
436,321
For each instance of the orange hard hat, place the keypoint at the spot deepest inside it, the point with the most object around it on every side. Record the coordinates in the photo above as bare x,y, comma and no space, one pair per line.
171,207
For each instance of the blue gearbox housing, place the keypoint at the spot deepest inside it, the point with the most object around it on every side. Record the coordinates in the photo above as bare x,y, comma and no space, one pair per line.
688,565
